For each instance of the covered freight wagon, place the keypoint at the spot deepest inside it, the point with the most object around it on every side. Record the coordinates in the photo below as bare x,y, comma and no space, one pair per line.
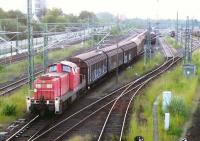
130,51
115,56
93,65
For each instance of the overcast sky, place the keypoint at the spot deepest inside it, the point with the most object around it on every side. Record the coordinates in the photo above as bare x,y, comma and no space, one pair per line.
164,9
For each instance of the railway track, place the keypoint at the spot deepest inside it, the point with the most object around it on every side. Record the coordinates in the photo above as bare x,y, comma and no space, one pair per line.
106,106
119,127
6,90
56,132
22,129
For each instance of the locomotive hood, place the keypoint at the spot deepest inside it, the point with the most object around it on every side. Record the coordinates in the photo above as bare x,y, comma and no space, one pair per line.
49,76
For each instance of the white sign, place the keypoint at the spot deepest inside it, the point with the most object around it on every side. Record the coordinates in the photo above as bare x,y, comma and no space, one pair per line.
167,95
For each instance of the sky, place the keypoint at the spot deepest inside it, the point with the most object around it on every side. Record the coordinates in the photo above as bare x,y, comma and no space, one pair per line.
153,9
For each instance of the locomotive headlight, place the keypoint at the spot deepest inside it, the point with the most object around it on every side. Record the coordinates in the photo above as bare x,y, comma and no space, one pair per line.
38,86
35,90
49,86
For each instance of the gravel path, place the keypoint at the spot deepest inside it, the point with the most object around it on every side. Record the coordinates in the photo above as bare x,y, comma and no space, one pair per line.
193,133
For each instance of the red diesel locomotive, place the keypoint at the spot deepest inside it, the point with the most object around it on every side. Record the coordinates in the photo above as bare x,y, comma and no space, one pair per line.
60,83
65,80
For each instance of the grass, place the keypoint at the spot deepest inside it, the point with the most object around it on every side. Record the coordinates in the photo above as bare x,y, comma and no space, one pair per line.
139,67
8,72
138,128
81,138
13,107
172,41
59,54
183,89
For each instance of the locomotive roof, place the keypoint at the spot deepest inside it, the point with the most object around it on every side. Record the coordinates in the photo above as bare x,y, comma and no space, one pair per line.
71,64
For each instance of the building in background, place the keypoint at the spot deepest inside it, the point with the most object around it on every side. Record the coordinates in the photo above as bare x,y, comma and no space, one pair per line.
40,7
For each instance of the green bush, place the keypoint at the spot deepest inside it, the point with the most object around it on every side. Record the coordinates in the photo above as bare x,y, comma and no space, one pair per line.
1,68
176,131
115,31
9,110
1,102
178,107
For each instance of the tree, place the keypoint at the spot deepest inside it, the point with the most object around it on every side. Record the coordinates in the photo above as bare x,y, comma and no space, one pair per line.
106,17
54,15
3,14
55,12
71,18
86,16
15,13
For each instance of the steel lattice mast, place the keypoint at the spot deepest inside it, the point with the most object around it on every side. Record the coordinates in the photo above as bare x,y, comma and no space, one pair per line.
30,45
188,53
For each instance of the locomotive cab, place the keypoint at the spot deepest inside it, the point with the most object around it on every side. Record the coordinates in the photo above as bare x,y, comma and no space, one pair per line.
59,84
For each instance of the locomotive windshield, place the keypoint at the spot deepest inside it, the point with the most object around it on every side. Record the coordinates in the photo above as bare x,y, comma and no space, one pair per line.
52,68
66,68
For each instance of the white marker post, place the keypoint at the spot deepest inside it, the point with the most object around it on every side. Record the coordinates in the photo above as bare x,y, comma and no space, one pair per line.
167,120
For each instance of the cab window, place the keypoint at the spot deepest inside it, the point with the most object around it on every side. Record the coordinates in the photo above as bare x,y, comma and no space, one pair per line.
66,68
52,68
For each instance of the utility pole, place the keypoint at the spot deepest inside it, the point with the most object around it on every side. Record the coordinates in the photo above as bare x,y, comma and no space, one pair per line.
83,38
147,48
177,27
117,70
45,47
93,42
157,25
30,45
17,44
181,34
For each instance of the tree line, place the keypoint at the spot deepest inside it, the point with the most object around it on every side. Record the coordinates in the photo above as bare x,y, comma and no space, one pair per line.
15,21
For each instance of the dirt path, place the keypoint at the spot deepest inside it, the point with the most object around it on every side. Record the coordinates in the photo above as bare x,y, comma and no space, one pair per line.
193,132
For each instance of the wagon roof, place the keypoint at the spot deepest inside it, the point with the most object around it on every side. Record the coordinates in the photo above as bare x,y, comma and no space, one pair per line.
126,46
90,54
110,48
